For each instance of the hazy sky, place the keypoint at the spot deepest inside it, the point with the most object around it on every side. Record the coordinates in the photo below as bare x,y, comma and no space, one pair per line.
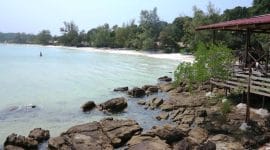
31,16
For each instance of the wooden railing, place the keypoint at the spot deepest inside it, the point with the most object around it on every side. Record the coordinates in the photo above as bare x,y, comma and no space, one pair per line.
239,80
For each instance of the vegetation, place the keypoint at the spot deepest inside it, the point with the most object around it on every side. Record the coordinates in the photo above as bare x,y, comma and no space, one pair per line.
150,33
211,61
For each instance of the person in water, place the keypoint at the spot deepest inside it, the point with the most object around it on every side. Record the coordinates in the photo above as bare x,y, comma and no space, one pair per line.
40,54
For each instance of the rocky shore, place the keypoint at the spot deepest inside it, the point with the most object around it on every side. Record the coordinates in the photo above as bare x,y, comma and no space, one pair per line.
196,120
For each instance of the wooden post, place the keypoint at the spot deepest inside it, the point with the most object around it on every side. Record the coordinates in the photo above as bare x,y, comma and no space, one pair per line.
267,60
248,96
243,97
247,46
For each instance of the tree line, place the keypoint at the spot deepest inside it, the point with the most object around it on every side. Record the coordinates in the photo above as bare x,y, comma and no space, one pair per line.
150,33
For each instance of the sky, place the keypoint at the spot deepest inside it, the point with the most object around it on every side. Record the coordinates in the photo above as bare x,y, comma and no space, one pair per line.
32,16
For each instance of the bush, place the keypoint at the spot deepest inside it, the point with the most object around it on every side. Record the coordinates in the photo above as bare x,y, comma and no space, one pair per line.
212,61
226,107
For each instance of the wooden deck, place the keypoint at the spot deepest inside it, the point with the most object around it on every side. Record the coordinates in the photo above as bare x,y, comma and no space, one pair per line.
259,83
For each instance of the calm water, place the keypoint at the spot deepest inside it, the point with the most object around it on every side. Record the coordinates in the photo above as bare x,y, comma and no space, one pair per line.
60,81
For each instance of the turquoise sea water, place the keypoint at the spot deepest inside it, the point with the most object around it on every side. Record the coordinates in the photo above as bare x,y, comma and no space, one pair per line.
62,80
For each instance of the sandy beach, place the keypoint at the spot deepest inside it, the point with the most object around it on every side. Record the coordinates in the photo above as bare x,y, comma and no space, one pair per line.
171,56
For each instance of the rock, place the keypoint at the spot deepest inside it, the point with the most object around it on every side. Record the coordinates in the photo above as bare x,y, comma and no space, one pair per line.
11,147
137,92
201,113
207,146
163,116
141,102
174,113
197,135
155,102
188,119
165,78
199,120
167,107
106,134
114,105
151,90
146,142
168,133
184,127
166,87
146,87
39,134
120,131
121,89
182,145
225,142
21,141
88,106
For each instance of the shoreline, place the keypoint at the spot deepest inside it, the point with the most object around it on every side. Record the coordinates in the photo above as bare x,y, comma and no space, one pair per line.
169,56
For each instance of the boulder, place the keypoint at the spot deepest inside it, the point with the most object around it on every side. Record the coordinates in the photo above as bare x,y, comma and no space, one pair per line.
11,147
207,146
39,134
20,141
151,90
147,142
141,102
166,107
146,87
114,105
182,145
121,89
155,102
106,134
168,133
165,78
187,119
197,135
225,142
136,92
88,106
120,131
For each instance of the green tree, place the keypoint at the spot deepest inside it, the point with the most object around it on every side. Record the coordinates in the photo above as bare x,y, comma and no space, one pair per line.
70,33
260,7
43,37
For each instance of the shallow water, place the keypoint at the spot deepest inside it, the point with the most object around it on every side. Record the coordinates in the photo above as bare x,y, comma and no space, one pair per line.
63,79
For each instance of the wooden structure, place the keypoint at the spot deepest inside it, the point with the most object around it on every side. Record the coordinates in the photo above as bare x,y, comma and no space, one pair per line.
253,76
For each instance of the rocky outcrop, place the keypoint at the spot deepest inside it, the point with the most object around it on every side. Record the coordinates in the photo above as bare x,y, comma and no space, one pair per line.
169,133
136,92
148,142
150,89
39,134
197,136
121,89
88,106
106,134
166,87
18,141
154,102
114,105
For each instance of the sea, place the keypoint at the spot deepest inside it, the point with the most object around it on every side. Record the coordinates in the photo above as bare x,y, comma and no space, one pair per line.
47,92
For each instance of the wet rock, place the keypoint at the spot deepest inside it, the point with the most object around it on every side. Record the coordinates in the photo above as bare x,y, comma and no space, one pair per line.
151,90
207,146
197,135
136,92
163,116
182,145
21,141
141,142
169,133
165,78
121,89
120,131
141,102
39,134
114,105
155,102
88,106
